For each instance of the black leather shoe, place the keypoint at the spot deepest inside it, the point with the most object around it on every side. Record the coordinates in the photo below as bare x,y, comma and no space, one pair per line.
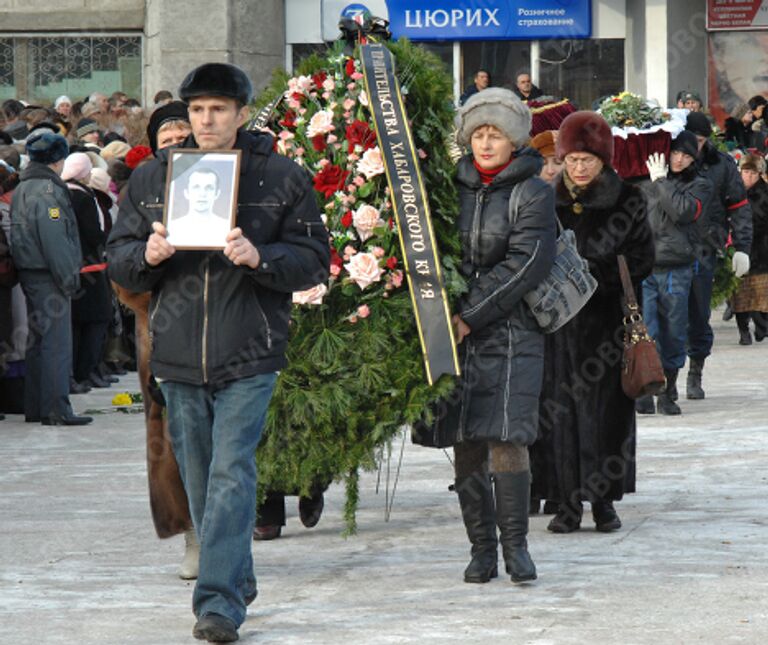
66,421
267,532
550,507
78,388
605,516
94,380
215,629
310,510
567,520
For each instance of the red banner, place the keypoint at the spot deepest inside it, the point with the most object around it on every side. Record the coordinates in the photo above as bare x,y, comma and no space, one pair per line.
736,14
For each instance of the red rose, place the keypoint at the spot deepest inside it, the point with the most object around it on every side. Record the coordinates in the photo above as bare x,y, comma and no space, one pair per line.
350,66
391,263
288,120
330,179
318,143
346,219
298,96
391,223
336,259
358,133
318,79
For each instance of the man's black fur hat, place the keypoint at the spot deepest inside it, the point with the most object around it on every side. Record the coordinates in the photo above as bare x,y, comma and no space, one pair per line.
47,148
217,79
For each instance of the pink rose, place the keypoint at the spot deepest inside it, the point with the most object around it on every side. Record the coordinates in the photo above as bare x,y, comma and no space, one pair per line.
358,181
285,135
320,123
326,95
378,251
352,319
329,85
397,278
363,98
351,188
422,154
335,270
363,311
332,138
372,163
313,296
364,269
349,250
353,157
299,151
351,86
356,76
348,104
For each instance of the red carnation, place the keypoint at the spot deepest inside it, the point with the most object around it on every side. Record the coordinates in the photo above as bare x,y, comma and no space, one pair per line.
336,259
289,120
318,143
391,223
392,263
330,179
346,219
350,66
318,79
358,133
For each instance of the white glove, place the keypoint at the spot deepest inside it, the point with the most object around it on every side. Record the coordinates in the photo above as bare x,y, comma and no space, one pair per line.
758,125
657,166
740,263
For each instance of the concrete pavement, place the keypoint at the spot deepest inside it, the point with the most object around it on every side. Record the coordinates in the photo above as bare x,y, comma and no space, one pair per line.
79,561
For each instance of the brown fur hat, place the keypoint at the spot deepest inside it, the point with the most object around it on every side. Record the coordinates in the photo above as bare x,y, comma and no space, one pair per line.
544,142
752,162
585,131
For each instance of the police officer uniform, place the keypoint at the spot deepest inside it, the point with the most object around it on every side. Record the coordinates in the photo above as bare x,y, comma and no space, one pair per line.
46,251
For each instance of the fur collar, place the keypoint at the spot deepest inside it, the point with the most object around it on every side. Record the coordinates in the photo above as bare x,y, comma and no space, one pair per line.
602,193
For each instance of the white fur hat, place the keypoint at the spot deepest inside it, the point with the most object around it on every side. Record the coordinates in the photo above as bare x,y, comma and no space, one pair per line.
498,107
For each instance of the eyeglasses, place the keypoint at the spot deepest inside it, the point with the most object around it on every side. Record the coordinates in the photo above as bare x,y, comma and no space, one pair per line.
586,162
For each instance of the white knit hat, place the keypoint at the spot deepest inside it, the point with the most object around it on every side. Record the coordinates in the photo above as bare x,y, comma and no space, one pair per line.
76,166
498,107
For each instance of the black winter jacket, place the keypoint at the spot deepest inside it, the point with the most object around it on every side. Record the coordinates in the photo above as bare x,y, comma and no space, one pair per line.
211,321
728,209
502,357
674,204
44,229
758,199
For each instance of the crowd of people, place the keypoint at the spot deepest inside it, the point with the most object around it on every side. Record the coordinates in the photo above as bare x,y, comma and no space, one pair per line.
540,417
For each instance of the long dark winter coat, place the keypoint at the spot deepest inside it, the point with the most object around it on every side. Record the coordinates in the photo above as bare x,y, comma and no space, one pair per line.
93,303
758,199
501,359
586,446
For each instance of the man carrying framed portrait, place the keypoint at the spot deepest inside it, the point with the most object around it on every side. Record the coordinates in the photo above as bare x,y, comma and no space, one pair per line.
218,319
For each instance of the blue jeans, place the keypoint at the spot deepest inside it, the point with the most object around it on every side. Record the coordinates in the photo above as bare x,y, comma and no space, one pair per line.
700,335
215,432
665,310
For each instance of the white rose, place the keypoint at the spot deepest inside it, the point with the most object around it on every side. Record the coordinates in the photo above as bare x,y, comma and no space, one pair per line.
365,219
320,123
313,296
371,164
364,269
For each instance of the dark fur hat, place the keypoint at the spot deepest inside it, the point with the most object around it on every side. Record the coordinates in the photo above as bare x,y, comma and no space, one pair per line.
47,148
173,111
686,142
585,131
217,79
698,123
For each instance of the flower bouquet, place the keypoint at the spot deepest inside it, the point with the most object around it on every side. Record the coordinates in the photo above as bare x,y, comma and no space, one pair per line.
355,375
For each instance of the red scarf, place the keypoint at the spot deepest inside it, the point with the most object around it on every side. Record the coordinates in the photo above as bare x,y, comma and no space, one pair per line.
487,176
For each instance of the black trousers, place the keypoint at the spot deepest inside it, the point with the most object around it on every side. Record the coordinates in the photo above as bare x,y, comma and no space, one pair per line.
88,341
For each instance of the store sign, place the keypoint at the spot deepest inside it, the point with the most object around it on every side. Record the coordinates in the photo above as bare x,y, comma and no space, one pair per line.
335,10
489,20
743,14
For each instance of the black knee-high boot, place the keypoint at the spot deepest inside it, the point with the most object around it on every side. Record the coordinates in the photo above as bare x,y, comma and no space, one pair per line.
512,500
478,512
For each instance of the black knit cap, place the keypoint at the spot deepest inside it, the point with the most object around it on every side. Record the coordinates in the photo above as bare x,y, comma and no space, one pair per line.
217,79
173,111
686,142
47,147
698,123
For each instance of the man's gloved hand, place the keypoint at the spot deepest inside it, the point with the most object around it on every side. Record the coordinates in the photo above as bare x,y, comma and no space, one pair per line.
657,167
740,263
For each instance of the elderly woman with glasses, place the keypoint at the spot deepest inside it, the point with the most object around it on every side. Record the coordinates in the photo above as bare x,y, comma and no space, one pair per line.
585,417
492,419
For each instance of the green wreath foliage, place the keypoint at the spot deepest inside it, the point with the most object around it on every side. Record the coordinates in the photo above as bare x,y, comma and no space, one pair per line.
353,382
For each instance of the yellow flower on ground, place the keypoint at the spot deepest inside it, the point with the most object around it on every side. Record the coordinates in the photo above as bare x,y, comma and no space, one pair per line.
122,399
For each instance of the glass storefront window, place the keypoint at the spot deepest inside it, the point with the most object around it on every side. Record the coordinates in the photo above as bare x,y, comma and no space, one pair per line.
581,70
40,68
502,58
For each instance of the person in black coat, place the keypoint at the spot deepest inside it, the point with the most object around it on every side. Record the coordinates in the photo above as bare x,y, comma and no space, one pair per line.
481,81
92,307
750,302
586,420
491,419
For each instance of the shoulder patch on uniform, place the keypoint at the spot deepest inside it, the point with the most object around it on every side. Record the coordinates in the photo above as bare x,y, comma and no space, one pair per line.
54,213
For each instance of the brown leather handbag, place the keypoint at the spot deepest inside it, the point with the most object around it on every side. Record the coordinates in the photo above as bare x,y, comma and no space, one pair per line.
641,370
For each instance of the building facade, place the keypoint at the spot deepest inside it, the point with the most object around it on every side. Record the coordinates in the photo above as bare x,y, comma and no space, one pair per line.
582,49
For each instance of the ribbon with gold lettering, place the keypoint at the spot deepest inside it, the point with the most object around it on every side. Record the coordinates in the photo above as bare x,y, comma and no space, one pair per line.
422,265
